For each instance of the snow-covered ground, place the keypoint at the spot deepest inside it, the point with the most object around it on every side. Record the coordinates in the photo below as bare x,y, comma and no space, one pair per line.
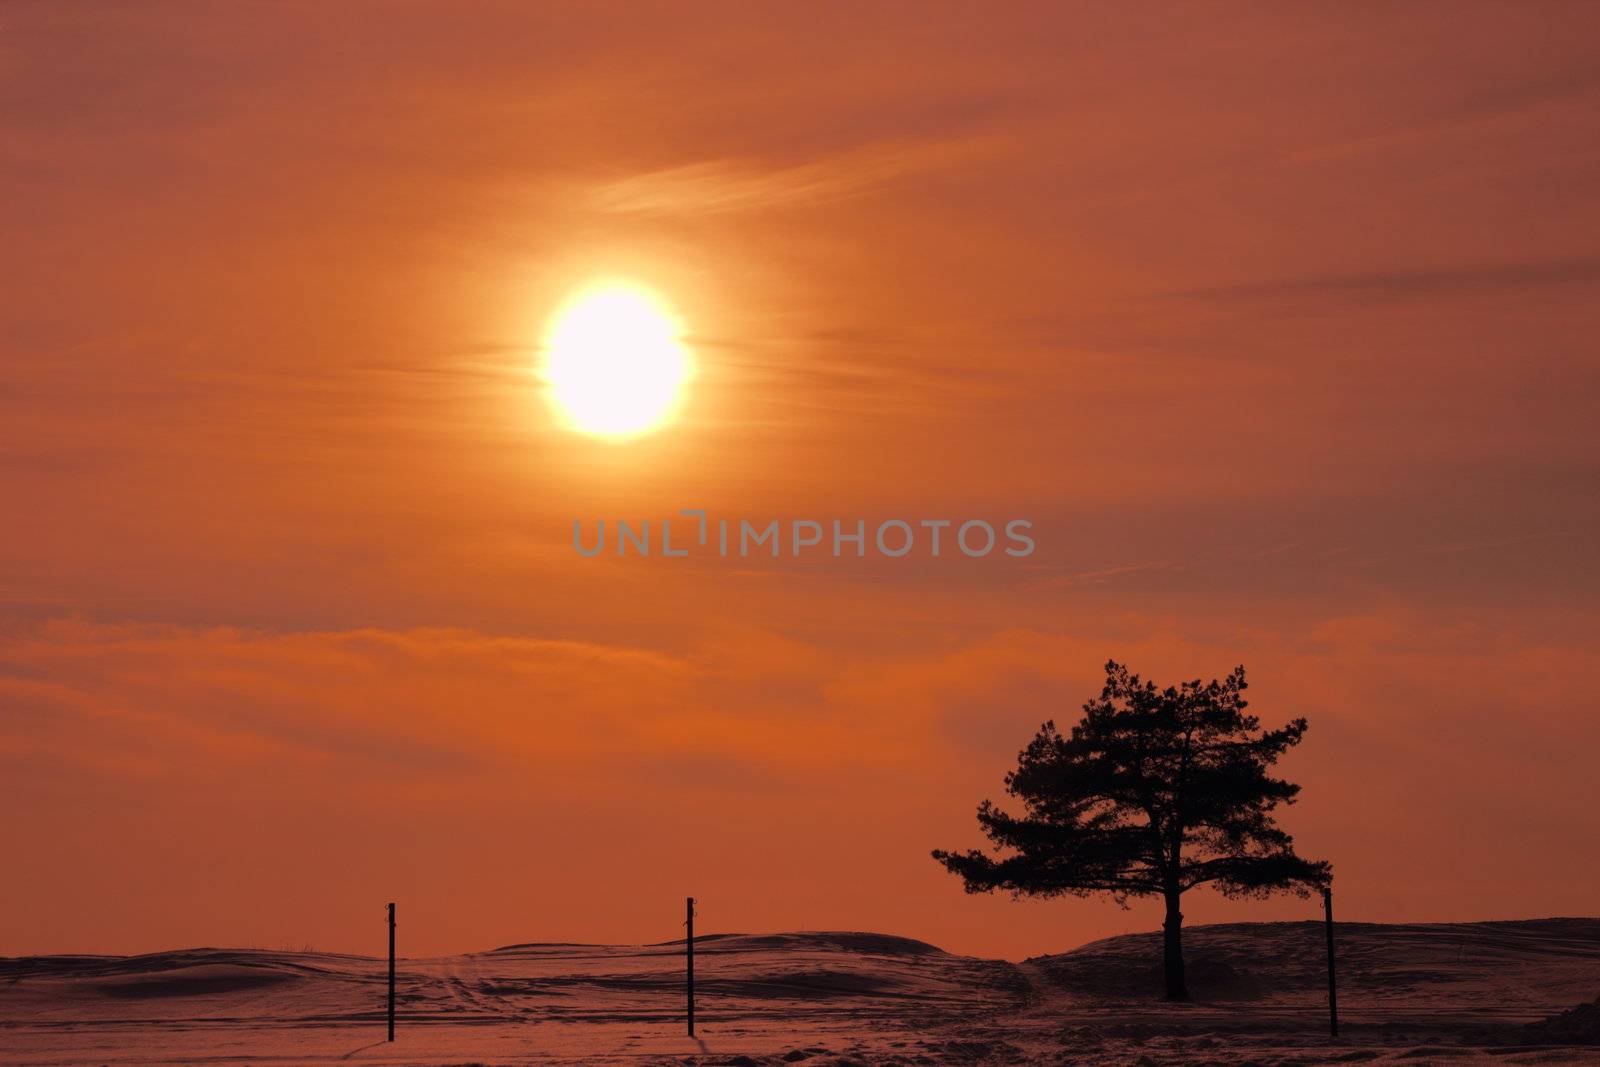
1418,993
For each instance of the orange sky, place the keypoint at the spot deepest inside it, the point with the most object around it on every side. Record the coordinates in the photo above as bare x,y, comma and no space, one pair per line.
1278,323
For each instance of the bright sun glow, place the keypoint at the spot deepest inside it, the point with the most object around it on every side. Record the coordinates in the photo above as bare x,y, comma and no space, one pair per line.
614,363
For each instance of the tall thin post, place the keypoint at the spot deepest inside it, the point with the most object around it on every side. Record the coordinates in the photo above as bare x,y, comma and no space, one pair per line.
391,972
1333,990
688,950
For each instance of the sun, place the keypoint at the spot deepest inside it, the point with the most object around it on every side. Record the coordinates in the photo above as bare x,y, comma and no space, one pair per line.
615,364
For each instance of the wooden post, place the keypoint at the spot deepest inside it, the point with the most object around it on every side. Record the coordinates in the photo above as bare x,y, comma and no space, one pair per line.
391,972
688,950
1333,991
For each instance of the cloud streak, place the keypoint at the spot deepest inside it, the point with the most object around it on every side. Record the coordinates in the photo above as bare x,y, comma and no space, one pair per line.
1410,283
717,186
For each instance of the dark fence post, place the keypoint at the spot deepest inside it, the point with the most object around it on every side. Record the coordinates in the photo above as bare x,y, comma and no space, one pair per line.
391,972
1333,991
688,948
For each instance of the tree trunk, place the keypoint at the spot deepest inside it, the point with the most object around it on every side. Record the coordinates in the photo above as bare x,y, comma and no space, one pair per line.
1172,949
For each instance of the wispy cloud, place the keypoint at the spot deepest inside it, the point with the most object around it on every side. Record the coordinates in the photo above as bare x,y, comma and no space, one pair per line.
723,185
1466,115
1410,282
1101,575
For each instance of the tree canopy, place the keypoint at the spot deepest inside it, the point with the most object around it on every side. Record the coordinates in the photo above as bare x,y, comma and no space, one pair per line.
1153,792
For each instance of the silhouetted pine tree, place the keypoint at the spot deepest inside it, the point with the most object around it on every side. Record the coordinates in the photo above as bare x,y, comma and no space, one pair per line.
1155,792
